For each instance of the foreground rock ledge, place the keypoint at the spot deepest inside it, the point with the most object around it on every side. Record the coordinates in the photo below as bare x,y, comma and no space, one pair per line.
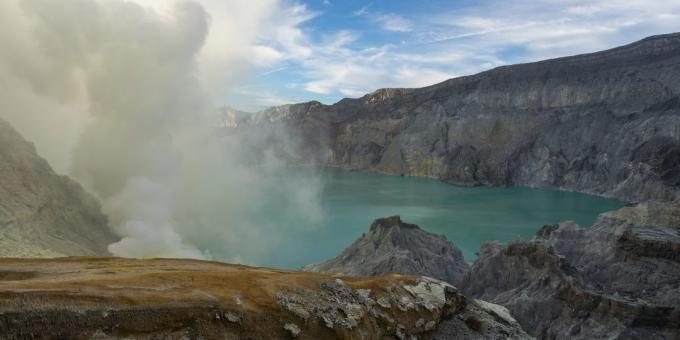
100,298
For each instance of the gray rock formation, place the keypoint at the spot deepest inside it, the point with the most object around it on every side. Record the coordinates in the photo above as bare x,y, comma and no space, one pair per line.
43,214
618,279
480,320
606,123
394,247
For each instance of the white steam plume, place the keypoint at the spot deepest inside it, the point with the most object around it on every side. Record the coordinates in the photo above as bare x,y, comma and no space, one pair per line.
113,88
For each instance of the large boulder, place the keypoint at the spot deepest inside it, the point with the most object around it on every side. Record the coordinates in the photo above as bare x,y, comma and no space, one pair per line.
394,247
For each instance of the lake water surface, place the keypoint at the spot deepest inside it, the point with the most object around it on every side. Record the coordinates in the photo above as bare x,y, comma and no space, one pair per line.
467,216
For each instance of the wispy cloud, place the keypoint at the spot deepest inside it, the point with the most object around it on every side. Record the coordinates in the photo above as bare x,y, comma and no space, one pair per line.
388,21
266,73
325,63
363,10
551,28
393,22
259,97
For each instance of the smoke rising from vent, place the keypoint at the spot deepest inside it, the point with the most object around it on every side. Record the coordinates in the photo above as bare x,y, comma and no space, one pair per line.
111,91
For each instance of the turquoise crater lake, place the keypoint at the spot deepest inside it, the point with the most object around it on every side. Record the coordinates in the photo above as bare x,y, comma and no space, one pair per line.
351,200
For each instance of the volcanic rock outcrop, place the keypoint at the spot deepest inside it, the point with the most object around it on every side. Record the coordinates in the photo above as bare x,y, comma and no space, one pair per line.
394,247
606,123
618,279
41,213
105,298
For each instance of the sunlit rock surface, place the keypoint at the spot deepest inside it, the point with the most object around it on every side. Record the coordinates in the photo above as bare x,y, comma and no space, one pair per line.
43,214
104,298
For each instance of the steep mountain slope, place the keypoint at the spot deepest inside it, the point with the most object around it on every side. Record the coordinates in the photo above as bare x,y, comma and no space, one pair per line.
606,123
112,298
41,213
394,247
618,279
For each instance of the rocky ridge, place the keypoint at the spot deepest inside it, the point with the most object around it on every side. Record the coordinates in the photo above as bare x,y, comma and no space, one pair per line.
106,298
394,247
618,279
606,123
41,213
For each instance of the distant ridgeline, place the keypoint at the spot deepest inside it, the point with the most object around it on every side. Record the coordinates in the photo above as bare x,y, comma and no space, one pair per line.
606,123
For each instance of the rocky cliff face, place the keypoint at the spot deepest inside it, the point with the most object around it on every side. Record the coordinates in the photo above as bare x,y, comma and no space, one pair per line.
111,298
606,123
618,279
41,213
394,247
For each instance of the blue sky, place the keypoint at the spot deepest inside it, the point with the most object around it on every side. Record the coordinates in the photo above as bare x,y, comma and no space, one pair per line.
327,50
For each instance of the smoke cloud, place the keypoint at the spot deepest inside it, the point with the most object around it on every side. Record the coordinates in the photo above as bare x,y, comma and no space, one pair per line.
112,92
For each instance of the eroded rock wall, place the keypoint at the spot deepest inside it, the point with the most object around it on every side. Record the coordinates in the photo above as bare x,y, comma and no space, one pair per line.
606,123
